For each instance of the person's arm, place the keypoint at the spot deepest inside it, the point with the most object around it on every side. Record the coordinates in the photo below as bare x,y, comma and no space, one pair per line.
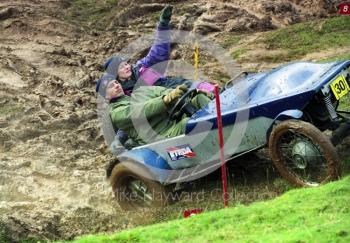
123,115
160,49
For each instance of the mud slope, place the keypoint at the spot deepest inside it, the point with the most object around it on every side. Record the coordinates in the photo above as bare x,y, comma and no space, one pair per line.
52,155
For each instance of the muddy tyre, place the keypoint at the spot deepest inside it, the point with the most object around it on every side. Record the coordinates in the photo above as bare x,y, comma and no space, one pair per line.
134,189
302,154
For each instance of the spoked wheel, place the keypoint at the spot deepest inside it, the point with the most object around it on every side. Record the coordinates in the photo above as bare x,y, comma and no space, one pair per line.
303,154
134,189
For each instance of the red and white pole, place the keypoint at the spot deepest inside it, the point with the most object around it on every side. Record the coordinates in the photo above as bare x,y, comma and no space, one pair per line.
221,144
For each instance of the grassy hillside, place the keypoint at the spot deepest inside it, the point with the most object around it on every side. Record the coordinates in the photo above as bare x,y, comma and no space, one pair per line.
304,38
294,42
306,215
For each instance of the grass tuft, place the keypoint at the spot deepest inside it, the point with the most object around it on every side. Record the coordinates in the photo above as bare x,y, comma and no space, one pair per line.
10,108
238,53
229,40
90,13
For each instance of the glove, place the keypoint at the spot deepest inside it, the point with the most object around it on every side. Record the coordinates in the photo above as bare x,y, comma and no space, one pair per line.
206,93
165,15
175,94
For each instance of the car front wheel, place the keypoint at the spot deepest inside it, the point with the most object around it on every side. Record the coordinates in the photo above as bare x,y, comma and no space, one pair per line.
134,188
303,154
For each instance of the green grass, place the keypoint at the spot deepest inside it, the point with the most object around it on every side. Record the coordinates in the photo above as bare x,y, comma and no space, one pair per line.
292,42
345,56
345,103
304,38
306,215
3,234
92,13
10,108
228,40
345,100
238,53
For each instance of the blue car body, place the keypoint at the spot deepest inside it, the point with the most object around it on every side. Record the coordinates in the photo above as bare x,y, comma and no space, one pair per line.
250,107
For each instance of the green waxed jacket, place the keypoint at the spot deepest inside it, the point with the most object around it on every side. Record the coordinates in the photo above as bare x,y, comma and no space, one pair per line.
144,116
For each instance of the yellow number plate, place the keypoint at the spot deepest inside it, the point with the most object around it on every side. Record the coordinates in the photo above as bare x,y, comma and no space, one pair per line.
340,87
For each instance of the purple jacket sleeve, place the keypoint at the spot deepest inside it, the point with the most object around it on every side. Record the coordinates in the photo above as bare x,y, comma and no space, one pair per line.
159,51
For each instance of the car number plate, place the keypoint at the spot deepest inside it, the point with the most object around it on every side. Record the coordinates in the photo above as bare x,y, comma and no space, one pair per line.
340,87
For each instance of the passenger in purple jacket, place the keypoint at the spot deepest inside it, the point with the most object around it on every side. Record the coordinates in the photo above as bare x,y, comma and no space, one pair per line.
142,71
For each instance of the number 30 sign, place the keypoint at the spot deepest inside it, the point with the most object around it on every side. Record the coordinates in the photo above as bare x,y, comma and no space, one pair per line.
344,8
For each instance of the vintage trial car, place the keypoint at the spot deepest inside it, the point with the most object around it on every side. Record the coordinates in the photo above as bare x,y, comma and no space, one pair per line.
285,109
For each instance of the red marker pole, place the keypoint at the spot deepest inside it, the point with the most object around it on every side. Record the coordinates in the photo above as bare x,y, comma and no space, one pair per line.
221,144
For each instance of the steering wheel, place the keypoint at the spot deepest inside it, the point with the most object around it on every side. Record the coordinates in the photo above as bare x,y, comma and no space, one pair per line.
183,106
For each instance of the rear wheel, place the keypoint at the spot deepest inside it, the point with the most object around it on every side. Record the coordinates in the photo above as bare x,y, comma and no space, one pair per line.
303,154
134,189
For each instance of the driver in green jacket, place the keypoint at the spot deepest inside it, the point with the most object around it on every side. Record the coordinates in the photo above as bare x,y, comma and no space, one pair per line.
144,115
